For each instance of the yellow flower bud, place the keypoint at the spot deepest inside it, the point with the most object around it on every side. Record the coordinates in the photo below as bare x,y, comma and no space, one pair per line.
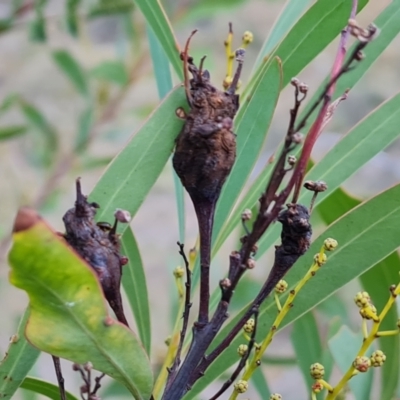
241,386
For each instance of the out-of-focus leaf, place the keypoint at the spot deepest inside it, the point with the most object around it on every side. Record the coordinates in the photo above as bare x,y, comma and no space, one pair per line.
95,162
45,388
10,132
8,102
366,235
344,347
68,313
108,7
16,364
39,122
38,25
135,169
111,71
307,344
134,283
287,17
72,16
261,384
376,282
72,70
253,122
84,127
157,19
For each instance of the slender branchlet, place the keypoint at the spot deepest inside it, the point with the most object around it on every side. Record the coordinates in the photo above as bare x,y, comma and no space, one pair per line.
86,390
185,317
60,378
243,359
296,229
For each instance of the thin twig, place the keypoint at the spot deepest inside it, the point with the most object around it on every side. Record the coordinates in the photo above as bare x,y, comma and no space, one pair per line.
60,378
242,361
185,316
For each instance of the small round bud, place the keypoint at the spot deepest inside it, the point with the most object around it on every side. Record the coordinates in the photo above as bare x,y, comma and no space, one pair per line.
317,371
14,338
84,389
294,82
369,312
362,363
242,350
249,325
246,214
297,138
251,263
76,367
167,341
303,88
123,216
378,358
275,396
317,387
362,299
225,283
247,37
241,386
315,186
227,82
320,259
281,286
359,56
179,272
292,160
330,244
88,366
123,260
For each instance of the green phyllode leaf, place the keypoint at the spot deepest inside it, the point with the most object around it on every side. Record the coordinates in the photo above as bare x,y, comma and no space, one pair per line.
16,364
366,235
45,388
134,283
133,172
68,312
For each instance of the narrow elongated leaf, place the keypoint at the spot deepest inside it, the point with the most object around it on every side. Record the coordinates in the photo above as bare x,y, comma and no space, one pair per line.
158,21
84,125
72,70
45,388
10,132
111,71
19,359
68,313
344,347
307,344
366,235
134,283
254,120
347,156
41,124
162,72
134,170
287,17
376,282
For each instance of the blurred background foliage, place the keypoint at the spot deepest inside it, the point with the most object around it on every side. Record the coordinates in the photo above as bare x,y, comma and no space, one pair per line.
76,81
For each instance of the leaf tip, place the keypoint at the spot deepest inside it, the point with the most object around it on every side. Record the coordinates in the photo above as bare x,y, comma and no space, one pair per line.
25,219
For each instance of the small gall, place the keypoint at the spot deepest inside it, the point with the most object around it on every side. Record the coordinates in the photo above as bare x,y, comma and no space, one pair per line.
122,216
